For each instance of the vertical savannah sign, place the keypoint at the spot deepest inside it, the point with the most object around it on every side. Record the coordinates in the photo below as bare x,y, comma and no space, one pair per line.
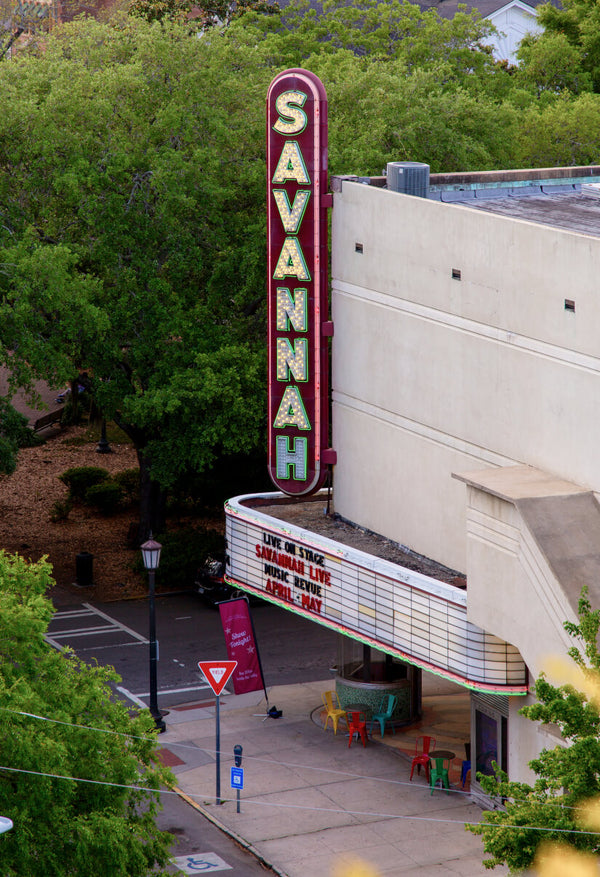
298,323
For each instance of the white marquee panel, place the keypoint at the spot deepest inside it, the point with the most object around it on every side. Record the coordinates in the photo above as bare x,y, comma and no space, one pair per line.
393,608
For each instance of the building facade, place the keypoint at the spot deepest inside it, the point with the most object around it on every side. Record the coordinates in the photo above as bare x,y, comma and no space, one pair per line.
465,371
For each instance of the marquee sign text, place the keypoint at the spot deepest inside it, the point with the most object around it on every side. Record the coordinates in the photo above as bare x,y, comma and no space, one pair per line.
293,572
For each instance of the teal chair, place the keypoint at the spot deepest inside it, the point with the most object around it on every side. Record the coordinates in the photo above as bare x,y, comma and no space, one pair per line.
384,713
439,771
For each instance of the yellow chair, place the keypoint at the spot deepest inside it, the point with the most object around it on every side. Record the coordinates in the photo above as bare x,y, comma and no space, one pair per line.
334,711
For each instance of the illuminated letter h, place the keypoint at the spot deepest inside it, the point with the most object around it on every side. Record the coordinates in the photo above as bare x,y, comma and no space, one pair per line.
286,457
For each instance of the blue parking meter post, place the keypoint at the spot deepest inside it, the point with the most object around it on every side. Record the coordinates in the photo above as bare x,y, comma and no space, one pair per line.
237,782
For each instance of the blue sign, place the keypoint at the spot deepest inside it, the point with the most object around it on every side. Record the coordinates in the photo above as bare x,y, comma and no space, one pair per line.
237,777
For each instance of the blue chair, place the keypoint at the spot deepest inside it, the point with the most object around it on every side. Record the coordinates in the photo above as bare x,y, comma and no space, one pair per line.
466,765
384,713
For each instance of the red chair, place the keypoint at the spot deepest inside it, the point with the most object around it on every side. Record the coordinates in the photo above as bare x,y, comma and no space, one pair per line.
357,724
423,746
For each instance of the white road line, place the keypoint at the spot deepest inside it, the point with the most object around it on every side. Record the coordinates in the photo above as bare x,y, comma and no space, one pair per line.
118,624
173,690
80,650
85,631
133,697
52,642
90,612
72,613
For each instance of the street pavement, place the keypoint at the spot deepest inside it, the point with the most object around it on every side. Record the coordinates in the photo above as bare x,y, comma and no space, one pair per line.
310,802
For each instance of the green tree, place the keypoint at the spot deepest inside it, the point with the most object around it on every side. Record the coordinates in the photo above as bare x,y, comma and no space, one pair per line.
131,245
551,63
132,200
562,130
79,776
567,776
401,84
574,27
14,434
199,14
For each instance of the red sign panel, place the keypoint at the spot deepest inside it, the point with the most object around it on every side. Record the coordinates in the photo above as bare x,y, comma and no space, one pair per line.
298,325
241,645
217,673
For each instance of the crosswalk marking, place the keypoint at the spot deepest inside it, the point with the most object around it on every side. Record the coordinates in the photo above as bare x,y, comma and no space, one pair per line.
137,698
89,613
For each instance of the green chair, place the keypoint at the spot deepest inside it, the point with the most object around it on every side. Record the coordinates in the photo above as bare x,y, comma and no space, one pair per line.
439,771
384,713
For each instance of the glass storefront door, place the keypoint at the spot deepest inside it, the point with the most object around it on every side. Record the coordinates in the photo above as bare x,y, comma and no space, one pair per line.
489,737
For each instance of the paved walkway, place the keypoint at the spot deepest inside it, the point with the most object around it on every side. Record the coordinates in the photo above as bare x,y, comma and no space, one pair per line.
310,801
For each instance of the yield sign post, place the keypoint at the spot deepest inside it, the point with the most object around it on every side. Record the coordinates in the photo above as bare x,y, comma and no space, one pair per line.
217,674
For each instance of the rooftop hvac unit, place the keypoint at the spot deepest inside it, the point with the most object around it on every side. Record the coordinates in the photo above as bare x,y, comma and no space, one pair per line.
408,177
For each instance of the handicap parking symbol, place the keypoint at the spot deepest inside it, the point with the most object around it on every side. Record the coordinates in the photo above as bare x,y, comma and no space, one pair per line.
201,863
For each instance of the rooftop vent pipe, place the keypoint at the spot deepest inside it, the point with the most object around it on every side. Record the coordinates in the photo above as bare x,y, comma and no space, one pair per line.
408,177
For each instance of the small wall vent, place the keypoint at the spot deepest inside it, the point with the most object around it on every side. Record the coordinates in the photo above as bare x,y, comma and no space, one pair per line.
408,177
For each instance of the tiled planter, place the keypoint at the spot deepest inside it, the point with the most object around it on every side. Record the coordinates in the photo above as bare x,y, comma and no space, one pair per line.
372,693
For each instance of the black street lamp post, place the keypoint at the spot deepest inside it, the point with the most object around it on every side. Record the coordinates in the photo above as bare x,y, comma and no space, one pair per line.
103,445
151,555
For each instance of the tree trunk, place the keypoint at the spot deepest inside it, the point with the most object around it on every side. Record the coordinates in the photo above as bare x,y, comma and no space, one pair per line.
153,502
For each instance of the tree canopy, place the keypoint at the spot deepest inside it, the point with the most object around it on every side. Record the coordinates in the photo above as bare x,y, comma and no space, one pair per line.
132,192
130,245
79,776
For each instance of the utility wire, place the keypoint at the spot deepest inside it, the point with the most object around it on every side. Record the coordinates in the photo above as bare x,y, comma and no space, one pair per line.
270,761
279,805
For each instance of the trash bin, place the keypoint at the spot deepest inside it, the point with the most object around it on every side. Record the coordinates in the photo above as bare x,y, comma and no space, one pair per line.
84,569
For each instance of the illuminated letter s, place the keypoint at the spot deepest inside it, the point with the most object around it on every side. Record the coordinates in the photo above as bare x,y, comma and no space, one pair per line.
291,119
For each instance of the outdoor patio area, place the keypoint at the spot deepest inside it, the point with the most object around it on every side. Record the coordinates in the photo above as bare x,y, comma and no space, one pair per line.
446,717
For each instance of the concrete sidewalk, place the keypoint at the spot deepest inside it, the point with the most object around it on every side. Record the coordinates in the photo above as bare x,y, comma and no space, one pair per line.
310,801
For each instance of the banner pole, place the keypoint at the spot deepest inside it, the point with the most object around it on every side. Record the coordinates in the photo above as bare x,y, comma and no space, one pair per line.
260,667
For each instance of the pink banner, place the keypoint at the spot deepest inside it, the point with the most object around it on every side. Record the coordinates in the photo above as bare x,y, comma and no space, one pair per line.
241,646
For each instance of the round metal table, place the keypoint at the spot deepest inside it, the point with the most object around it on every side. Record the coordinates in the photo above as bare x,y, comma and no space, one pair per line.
442,753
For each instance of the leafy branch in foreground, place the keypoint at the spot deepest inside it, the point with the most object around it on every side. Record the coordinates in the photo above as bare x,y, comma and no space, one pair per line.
99,819
555,810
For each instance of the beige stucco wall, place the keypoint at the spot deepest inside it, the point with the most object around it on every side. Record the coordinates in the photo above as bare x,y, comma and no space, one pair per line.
433,375
526,739
512,591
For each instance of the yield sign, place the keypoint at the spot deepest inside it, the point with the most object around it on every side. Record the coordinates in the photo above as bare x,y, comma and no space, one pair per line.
217,673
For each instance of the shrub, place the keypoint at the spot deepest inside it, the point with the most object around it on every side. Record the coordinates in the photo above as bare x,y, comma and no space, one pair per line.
80,478
129,482
60,510
183,553
105,496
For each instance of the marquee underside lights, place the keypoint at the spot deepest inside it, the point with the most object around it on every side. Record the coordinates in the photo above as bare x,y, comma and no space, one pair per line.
298,415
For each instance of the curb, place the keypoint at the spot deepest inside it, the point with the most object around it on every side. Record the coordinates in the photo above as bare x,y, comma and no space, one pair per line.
229,832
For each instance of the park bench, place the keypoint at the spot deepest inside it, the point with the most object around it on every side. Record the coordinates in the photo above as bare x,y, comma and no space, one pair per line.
48,419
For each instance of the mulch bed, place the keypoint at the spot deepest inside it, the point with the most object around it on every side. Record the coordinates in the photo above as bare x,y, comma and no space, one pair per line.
29,494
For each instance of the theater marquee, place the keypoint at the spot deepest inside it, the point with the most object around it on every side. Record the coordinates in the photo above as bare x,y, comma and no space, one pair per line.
400,611
298,325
